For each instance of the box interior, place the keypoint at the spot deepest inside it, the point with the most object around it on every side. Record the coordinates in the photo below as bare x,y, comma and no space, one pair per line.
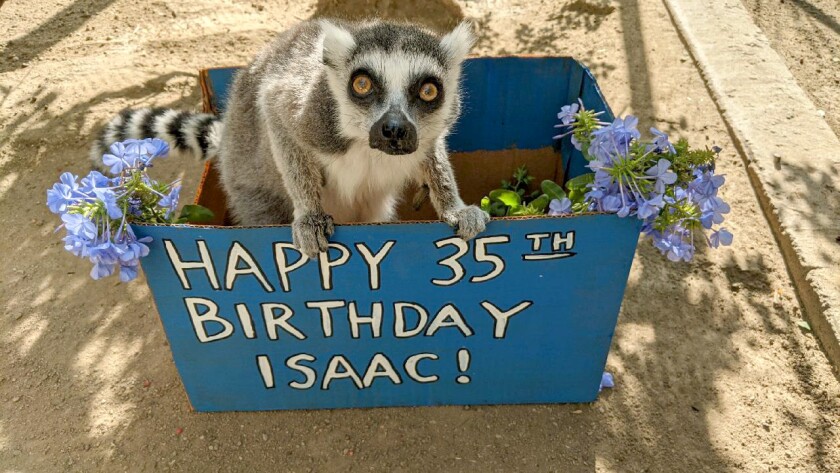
477,172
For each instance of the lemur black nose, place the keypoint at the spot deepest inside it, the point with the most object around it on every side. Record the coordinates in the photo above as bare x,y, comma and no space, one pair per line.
394,134
393,130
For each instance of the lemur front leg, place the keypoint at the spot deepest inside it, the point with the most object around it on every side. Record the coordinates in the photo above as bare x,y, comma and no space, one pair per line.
302,178
468,220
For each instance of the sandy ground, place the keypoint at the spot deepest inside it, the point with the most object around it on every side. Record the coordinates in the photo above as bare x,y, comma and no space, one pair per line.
806,33
713,373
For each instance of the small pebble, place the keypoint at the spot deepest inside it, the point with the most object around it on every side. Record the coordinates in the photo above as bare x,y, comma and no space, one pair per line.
265,437
821,113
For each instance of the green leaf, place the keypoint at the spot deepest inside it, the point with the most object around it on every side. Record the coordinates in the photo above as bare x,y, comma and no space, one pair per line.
579,207
521,211
485,204
509,198
552,190
195,214
541,203
498,209
804,325
580,182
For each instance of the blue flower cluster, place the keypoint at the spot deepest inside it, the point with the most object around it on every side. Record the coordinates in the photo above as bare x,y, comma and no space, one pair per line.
96,211
672,189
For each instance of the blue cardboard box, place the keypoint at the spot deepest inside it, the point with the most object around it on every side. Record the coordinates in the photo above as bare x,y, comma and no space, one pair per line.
406,314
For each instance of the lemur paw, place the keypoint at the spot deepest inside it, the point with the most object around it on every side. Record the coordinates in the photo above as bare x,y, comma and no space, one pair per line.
468,221
311,232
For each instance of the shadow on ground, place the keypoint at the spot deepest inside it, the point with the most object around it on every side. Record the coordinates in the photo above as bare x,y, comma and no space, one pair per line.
49,33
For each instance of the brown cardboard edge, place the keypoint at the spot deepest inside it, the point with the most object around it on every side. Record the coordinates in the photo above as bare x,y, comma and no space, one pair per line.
374,224
204,177
208,102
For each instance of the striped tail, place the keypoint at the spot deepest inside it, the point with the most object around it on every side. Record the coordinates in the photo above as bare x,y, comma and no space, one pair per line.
198,134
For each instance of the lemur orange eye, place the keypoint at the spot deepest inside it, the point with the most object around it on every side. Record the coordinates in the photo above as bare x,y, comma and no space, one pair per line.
362,84
428,92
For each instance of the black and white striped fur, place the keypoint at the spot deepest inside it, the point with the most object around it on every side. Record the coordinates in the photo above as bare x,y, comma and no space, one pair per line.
195,134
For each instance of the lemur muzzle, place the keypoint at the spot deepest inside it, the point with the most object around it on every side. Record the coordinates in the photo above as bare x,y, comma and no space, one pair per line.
394,134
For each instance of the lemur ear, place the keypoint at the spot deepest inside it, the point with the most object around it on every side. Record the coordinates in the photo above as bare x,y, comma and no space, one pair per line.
459,41
338,43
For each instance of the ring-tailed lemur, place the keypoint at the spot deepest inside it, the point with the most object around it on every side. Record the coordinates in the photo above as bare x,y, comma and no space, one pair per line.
329,123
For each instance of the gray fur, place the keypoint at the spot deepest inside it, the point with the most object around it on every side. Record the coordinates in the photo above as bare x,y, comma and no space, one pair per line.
468,221
294,145
387,37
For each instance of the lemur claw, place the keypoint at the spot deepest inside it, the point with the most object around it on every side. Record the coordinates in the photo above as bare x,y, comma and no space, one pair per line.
311,232
468,221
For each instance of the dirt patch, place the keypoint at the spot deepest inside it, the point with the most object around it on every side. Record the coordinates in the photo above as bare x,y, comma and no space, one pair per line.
438,15
713,373
806,33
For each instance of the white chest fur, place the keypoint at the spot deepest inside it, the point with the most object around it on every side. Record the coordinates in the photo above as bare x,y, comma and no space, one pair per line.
364,185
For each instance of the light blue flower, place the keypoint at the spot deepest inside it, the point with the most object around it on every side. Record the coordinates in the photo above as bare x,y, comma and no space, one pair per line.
94,180
624,211
105,253
170,201
101,270
661,142
560,207
720,237
109,200
77,245
651,207
79,225
662,174
61,194
131,248
128,272
713,212
155,148
674,246
567,113
607,381
616,137
97,211
706,184
611,203
123,155
134,206
145,150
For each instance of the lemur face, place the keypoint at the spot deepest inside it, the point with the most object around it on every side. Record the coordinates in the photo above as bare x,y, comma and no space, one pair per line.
396,85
